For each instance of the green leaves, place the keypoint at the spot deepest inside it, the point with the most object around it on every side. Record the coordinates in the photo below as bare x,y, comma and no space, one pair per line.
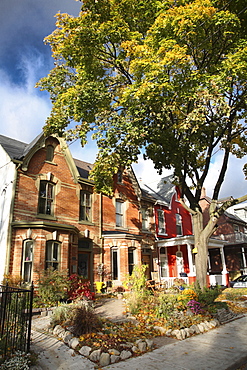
165,78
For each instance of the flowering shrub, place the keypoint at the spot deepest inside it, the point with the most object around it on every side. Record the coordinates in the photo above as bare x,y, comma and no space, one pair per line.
79,288
194,306
189,294
179,282
19,361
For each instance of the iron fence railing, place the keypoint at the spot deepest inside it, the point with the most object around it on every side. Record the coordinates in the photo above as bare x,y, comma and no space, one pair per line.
15,319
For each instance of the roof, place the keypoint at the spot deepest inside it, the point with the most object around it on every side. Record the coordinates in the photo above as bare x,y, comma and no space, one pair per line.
17,150
14,148
83,168
234,217
165,191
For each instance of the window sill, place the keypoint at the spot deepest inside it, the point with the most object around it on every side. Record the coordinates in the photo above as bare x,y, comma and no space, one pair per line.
46,217
53,163
121,228
146,231
82,222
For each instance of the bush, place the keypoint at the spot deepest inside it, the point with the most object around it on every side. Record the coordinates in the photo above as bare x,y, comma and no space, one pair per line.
83,320
137,280
207,296
166,306
79,289
52,286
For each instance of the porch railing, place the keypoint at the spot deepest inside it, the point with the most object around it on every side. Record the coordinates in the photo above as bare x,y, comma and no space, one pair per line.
237,237
168,282
15,319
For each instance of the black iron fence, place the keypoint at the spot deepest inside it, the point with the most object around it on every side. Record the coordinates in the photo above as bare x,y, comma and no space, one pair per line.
15,319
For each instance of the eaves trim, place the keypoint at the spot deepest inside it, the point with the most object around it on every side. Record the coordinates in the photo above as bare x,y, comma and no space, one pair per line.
43,225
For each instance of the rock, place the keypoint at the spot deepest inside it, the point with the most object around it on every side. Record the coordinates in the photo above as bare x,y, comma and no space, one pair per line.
187,331
73,343
114,359
58,330
85,351
183,334
142,346
195,328
126,345
95,355
138,341
205,326
150,343
160,329
201,327
174,332
168,333
125,354
113,351
104,359
134,349
67,337
191,330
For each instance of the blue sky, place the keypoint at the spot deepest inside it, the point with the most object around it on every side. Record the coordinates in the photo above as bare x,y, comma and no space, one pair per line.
24,59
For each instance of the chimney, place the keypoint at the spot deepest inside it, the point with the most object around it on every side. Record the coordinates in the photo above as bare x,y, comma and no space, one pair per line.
203,192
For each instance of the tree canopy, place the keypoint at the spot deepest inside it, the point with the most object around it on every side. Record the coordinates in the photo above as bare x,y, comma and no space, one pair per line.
166,78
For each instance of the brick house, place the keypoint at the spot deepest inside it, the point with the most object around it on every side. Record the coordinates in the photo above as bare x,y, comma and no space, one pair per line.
232,230
51,216
175,239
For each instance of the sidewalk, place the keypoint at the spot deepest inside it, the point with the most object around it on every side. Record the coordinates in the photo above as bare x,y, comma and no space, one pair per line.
223,348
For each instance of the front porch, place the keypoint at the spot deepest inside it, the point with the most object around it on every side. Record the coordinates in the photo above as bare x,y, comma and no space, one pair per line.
175,259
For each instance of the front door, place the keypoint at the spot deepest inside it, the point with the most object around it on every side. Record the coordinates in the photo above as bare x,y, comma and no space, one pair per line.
146,260
83,264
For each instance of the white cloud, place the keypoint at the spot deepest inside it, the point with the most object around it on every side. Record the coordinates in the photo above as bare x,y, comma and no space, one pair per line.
23,110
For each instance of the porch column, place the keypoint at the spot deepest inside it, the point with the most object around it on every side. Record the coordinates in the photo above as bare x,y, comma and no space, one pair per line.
244,260
224,272
191,274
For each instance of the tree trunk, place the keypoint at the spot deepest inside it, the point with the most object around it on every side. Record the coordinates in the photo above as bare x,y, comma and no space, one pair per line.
201,250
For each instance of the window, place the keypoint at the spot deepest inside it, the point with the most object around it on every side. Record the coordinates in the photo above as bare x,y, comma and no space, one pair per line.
52,258
163,263
85,206
49,153
27,261
46,195
131,260
179,224
120,176
161,222
114,264
119,213
144,213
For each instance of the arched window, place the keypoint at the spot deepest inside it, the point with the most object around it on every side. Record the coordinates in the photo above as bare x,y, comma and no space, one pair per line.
49,153
46,197
179,224
27,260
161,222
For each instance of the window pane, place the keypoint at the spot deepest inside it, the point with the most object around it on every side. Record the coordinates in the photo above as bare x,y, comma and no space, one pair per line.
83,263
45,197
115,265
85,206
27,272
55,252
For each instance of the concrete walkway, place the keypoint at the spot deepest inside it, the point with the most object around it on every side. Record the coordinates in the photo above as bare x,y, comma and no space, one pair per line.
223,348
